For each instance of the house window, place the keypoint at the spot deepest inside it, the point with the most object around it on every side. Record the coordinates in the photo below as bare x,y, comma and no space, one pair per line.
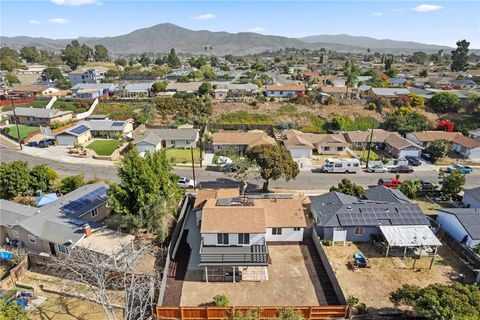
359,231
326,148
63,248
296,229
222,238
243,238
339,148
15,234
276,231
32,239
94,212
281,92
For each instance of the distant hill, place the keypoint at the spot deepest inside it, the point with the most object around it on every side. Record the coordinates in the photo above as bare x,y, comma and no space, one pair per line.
163,37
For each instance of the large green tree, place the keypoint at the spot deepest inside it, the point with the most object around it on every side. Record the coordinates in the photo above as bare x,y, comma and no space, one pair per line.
437,149
70,183
405,119
439,301
14,179
205,89
73,55
460,56
410,188
346,186
43,178
148,194
452,183
443,102
172,60
30,54
273,162
52,74
101,53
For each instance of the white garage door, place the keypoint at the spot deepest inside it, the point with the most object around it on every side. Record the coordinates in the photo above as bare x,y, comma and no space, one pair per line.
301,153
66,140
145,148
409,152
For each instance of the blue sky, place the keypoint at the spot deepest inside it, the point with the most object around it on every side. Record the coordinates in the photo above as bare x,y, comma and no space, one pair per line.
437,22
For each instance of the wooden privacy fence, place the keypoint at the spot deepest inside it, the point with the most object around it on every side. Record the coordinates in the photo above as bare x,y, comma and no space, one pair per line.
265,313
14,274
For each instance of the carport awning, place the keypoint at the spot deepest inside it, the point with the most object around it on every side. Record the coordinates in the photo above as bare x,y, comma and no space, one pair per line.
409,236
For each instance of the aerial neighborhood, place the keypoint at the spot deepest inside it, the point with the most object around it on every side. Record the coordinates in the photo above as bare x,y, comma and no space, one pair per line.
238,176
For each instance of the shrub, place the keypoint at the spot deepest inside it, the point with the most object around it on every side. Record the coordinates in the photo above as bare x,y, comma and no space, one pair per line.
221,300
352,301
372,106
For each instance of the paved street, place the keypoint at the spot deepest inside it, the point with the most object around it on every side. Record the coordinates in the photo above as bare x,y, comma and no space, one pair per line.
306,180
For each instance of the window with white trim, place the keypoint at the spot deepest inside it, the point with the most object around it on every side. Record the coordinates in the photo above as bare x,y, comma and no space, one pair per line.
359,231
15,234
243,238
276,231
296,229
63,248
222,238
94,212
32,239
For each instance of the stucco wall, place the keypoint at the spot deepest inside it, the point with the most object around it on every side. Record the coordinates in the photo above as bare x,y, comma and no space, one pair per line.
210,239
451,224
288,234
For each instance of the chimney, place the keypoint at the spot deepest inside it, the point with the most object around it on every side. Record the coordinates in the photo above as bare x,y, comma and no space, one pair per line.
87,230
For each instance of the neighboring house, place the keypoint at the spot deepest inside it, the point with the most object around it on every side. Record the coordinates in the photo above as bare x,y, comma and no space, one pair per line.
464,84
180,87
110,128
39,90
360,139
284,91
300,142
297,145
93,90
397,82
39,116
340,217
234,90
310,75
55,228
466,147
239,140
400,147
387,93
220,94
471,198
461,223
235,231
78,134
155,139
474,134
340,92
137,90
87,75
425,138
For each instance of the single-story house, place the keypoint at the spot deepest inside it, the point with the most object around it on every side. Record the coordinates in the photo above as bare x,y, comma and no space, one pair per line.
474,134
360,139
32,89
339,92
226,90
400,147
39,116
79,133
284,91
425,138
322,143
110,128
180,87
155,139
388,93
55,228
220,94
239,140
466,147
136,90
93,90
397,82
297,145
461,223
471,198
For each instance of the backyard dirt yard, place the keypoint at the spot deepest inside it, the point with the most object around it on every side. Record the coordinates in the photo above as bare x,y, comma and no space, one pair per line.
373,286
292,282
58,307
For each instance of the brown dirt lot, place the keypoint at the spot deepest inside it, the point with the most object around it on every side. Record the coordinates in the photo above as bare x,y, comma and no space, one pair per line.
292,282
374,285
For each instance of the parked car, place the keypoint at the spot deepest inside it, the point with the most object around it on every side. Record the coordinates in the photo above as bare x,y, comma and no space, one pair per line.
184,182
462,169
402,169
426,156
389,182
377,169
44,143
427,185
413,161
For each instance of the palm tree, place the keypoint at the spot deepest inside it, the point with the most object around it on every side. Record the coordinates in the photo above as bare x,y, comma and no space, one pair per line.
351,71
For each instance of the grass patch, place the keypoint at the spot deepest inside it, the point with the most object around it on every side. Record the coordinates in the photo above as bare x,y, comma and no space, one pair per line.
23,129
183,155
119,109
34,104
104,147
75,106
287,108
317,124
105,64
244,117
364,153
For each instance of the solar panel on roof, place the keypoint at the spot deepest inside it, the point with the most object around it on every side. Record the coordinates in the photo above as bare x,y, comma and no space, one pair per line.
73,206
117,124
80,129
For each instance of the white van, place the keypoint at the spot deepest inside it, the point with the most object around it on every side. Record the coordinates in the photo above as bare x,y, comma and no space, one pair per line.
341,165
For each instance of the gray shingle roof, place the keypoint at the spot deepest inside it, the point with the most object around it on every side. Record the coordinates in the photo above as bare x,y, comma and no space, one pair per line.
382,193
106,125
155,136
474,193
149,138
12,213
469,218
39,112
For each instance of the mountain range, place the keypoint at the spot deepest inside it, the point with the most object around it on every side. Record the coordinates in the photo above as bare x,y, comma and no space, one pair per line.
162,37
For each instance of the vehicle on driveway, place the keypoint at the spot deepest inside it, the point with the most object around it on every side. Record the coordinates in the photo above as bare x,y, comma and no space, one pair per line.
186,183
377,169
413,161
389,182
427,185
402,169
427,156
462,169
44,143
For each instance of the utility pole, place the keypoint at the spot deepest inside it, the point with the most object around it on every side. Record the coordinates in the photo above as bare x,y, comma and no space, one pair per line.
193,169
369,145
16,124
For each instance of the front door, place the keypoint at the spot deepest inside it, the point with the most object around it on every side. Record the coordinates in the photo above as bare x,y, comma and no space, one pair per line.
53,251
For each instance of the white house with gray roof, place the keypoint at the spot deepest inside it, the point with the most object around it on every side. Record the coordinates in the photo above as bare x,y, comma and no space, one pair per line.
39,116
461,223
155,139
471,198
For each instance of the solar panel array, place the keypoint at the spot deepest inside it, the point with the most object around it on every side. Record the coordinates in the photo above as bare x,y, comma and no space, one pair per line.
117,124
372,216
97,195
80,129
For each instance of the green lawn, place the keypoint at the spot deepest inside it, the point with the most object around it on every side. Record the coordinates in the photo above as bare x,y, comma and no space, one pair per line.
35,104
75,106
183,155
24,130
104,147
363,155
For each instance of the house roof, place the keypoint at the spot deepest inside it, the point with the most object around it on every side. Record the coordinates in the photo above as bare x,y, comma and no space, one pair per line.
204,194
327,89
430,136
149,138
39,112
183,87
334,209
175,134
466,142
12,213
379,136
390,92
468,217
475,132
291,87
396,141
77,130
283,213
409,236
473,193
106,125
382,193
139,86
241,138
94,86
29,88
296,140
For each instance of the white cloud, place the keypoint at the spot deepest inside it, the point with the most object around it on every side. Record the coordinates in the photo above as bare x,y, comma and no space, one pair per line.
257,30
206,16
73,2
427,8
377,14
33,21
58,20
